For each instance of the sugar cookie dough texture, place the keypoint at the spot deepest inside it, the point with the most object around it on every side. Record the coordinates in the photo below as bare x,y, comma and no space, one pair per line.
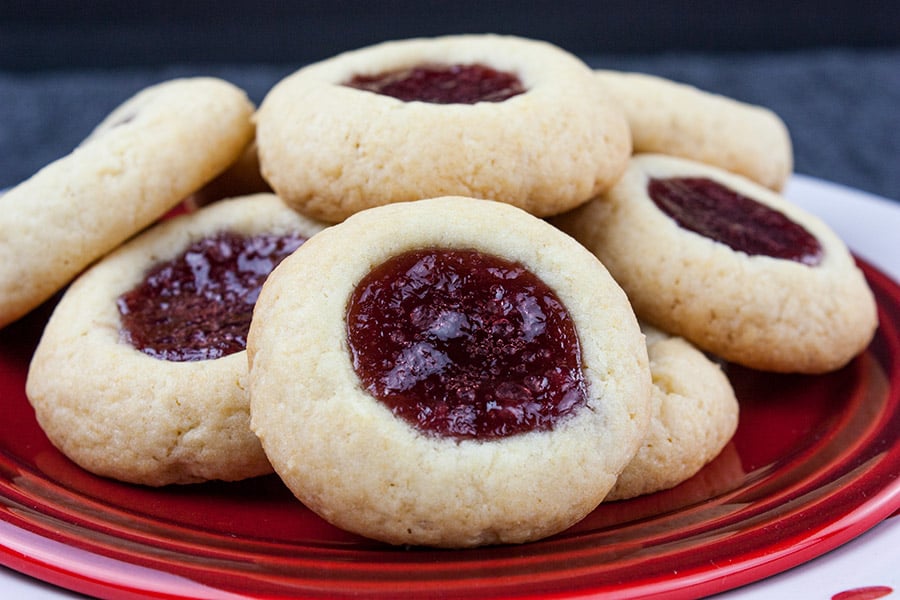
762,312
120,413
672,118
148,155
330,150
348,458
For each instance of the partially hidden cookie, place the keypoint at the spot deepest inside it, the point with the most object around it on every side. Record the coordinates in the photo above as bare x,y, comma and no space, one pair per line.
140,374
522,122
240,178
668,117
729,265
695,414
155,149
447,383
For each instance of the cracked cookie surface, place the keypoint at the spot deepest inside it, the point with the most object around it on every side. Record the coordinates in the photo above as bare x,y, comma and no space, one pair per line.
695,414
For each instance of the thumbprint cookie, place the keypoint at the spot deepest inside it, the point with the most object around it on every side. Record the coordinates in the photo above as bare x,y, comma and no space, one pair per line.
447,382
486,116
729,265
140,374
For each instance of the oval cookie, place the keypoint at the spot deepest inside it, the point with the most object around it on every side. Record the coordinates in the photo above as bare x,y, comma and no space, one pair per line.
673,118
150,153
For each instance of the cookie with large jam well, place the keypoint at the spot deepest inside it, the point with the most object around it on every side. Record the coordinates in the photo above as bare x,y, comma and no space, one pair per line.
486,116
140,374
447,383
729,265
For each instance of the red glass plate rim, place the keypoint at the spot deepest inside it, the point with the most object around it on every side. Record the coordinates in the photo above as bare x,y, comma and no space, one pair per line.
103,568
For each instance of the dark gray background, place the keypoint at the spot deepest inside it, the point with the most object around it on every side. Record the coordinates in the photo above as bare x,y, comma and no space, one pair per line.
830,69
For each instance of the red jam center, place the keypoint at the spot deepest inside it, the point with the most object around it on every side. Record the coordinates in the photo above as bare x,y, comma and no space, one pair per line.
198,306
712,210
439,84
465,345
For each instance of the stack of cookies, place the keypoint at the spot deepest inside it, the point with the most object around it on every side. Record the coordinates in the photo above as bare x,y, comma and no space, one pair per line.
454,291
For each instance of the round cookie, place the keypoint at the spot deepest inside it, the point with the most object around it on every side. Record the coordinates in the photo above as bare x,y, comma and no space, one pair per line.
359,465
151,152
331,150
125,413
672,118
768,313
695,414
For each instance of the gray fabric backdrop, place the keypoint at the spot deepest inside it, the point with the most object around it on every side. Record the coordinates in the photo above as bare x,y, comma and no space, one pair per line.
841,105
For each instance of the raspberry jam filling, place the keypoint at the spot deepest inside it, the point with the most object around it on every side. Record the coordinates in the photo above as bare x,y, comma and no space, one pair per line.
198,306
712,210
465,345
440,84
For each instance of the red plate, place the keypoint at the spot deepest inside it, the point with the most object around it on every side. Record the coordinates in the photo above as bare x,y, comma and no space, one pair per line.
814,463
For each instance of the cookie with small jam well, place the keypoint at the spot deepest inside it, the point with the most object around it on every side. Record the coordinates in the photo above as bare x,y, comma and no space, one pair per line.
495,117
158,147
695,414
668,117
445,383
140,374
729,265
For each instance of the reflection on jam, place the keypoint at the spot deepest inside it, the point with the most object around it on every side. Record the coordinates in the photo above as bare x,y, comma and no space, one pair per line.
709,208
198,306
439,84
465,345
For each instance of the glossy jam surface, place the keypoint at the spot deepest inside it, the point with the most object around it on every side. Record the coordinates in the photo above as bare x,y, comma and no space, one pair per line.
465,345
198,306
440,84
715,211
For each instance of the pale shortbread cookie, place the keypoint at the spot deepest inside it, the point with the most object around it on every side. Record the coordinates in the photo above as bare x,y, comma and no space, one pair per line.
156,148
762,312
673,118
121,413
331,150
695,414
345,455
